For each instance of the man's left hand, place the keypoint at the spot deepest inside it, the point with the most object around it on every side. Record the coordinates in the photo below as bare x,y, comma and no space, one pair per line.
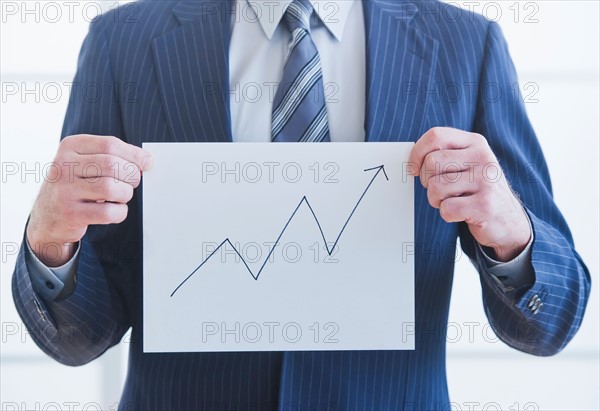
465,182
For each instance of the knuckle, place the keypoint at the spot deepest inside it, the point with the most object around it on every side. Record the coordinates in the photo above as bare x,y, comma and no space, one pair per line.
110,144
129,192
436,133
107,213
433,198
445,211
91,169
62,153
104,187
480,140
135,181
133,175
61,163
72,142
452,177
485,157
119,213
434,188
451,162
68,141
138,157
437,137
430,161
106,163
59,157
443,157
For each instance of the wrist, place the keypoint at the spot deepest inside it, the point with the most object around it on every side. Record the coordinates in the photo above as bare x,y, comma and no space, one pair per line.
512,247
517,237
508,252
52,253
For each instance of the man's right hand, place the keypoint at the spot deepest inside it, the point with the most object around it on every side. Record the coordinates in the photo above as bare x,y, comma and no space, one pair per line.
91,182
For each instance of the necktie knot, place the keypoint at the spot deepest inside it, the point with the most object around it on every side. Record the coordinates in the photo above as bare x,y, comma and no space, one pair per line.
298,14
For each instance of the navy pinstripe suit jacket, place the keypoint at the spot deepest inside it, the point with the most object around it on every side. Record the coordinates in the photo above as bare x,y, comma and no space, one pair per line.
159,72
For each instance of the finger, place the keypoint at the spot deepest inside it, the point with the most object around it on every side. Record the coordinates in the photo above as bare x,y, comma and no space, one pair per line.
446,186
105,189
439,138
102,213
107,165
442,162
468,208
88,144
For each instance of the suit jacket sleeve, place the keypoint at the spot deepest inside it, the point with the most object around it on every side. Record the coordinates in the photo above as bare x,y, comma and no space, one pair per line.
543,316
80,327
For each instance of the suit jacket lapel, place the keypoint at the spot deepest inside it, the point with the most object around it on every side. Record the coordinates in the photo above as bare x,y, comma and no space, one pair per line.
193,72
400,65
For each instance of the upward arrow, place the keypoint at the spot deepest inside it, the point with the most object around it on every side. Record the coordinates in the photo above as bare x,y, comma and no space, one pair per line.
304,200
379,169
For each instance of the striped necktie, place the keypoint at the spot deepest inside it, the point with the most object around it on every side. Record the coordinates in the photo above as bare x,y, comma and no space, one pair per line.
299,110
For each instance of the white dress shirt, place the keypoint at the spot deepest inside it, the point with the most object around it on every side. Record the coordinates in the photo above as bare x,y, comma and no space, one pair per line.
259,46
257,54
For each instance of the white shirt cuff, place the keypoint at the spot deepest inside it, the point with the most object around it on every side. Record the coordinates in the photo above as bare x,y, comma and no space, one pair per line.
51,282
515,273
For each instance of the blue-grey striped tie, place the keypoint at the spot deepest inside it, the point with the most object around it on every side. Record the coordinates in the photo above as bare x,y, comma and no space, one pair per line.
299,110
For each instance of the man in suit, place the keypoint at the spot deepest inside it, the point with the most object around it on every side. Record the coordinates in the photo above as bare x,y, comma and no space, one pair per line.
167,71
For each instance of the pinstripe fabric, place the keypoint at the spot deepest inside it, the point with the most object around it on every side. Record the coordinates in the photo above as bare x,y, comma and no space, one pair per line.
163,78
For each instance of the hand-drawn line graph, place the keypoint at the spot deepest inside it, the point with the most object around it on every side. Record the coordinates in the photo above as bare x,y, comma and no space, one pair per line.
304,200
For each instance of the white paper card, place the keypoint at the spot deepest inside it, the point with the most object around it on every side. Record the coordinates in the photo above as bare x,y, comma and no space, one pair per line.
278,247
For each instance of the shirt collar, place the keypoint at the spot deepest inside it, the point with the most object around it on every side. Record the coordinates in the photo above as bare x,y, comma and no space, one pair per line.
333,14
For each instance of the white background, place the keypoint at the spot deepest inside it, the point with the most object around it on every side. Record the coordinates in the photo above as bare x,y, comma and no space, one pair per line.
557,56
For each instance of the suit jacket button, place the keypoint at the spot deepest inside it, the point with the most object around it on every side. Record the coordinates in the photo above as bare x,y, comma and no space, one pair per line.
532,301
39,310
534,304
